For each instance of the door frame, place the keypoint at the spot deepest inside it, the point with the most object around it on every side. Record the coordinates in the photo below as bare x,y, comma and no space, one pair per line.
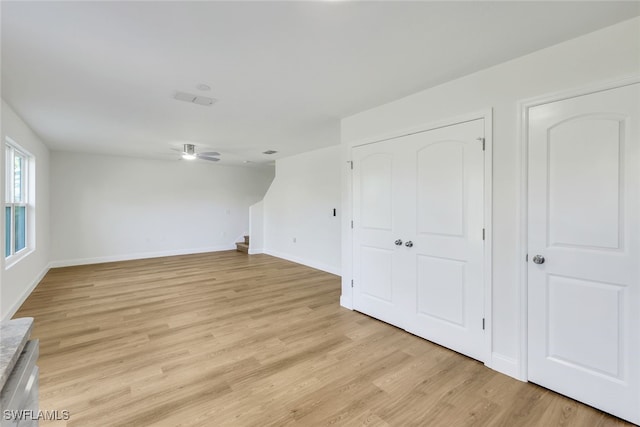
523,241
346,300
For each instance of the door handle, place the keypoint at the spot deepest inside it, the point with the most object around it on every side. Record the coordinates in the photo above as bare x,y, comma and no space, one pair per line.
409,244
538,259
398,242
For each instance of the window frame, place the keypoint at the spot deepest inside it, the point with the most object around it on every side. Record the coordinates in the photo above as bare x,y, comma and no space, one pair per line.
13,150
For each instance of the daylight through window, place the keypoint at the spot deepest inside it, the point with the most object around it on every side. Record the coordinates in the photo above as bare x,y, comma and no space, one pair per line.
16,201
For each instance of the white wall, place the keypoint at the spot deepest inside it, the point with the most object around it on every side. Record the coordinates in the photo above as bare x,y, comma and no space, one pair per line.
604,55
256,228
112,208
299,205
17,281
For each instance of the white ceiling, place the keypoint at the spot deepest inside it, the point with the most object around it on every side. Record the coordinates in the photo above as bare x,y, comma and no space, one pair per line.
100,76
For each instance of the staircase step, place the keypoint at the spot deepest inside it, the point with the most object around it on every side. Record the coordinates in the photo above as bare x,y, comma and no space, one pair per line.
242,247
246,240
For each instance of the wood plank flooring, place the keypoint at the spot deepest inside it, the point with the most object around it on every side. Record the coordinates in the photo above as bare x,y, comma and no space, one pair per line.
226,339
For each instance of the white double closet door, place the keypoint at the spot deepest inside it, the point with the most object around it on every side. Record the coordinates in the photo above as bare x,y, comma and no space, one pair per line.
418,234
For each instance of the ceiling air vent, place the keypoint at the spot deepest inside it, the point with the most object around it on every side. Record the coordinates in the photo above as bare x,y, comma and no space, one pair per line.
194,99
269,152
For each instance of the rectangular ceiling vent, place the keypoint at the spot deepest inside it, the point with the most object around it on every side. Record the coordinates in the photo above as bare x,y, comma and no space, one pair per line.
269,152
194,99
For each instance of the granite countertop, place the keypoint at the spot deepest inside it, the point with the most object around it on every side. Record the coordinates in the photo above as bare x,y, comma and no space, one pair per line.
14,334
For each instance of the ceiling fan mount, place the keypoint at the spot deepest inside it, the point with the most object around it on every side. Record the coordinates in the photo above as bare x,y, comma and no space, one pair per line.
189,153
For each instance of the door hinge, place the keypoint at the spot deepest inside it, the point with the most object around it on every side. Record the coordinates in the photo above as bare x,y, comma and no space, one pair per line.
351,223
352,283
350,163
483,142
483,234
483,323
526,258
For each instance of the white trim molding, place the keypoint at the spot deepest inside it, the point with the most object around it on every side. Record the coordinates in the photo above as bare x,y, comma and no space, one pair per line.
506,365
144,255
309,263
346,297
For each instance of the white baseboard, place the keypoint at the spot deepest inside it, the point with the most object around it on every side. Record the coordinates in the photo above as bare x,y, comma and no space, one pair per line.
308,263
253,251
144,255
346,302
506,365
9,314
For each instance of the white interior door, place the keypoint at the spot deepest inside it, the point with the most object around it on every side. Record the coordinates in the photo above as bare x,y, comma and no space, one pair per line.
446,213
418,234
584,226
377,217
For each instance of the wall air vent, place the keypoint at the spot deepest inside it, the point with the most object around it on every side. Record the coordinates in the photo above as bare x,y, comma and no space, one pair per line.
269,152
194,99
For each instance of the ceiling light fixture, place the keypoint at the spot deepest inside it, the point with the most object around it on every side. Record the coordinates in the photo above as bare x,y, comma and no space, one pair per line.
189,152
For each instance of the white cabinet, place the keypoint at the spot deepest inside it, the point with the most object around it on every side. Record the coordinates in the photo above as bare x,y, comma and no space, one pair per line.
20,393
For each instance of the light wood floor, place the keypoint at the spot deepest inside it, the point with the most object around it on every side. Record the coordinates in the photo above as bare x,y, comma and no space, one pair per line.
227,339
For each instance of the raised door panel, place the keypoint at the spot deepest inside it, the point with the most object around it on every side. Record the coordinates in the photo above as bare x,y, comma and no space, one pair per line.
574,336
441,289
377,273
441,189
376,197
585,179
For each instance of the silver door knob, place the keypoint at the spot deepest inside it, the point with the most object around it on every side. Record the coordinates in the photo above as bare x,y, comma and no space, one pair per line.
398,242
409,244
538,259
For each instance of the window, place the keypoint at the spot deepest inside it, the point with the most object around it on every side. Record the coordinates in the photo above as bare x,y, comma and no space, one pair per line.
16,201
